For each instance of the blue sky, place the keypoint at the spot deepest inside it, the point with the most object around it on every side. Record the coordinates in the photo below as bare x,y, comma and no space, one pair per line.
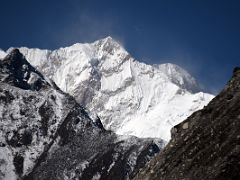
201,36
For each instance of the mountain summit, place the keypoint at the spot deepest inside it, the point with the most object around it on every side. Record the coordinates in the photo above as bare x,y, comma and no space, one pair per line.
130,97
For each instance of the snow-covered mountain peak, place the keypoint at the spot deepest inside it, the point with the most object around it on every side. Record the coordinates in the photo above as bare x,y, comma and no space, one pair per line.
41,127
107,42
180,77
106,45
129,96
110,49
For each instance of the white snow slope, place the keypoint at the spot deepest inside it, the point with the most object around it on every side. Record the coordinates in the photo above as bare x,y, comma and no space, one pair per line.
130,97
2,54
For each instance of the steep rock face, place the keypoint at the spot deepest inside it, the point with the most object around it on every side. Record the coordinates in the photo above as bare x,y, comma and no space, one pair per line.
130,97
15,70
206,145
46,134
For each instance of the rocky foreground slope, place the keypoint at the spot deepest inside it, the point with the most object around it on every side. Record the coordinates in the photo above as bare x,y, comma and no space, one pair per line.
46,134
206,145
130,97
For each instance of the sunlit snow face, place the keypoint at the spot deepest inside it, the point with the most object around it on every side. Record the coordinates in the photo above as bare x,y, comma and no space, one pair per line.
130,97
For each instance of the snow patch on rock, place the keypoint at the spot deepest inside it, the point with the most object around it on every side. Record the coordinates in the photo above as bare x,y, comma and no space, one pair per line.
2,54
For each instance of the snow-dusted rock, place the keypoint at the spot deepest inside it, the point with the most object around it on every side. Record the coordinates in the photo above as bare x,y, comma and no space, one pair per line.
130,97
46,134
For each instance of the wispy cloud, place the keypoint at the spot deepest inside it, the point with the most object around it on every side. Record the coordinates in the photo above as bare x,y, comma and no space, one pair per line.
86,28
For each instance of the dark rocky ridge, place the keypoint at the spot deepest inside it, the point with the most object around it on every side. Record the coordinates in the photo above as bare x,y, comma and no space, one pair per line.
17,71
206,145
46,134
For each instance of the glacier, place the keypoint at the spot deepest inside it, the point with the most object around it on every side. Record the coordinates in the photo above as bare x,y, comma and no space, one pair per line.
129,96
